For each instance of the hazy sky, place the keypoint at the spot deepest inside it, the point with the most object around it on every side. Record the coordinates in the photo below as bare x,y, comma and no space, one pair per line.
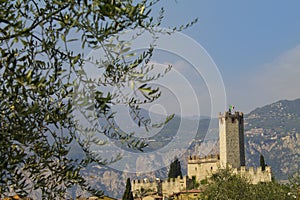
255,45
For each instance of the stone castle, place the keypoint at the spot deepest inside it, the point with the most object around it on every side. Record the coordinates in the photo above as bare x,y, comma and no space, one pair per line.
232,155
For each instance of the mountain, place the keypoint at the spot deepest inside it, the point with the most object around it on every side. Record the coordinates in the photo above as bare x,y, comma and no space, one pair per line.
191,131
274,132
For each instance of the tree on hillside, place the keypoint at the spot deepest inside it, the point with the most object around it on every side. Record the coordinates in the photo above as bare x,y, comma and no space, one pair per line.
128,193
175,169
262,162
42,68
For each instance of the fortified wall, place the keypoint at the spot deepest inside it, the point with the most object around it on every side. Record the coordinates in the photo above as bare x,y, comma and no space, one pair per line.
232,154
255,175
202,167
175,185
166,187
145,184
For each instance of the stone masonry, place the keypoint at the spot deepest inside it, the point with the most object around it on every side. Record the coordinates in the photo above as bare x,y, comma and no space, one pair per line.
232,155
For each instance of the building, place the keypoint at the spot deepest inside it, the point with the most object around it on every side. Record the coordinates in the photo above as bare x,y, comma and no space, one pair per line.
232,155
231,137
200,168
186,194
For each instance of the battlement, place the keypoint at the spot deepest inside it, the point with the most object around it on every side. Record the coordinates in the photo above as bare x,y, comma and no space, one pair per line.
206,159
145,180
255,174
232,154
172,181
231,135
174,185
166,187
236,116
255,170
202,167
151,185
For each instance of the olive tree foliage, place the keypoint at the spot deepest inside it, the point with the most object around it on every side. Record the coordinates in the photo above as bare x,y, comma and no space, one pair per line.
40,76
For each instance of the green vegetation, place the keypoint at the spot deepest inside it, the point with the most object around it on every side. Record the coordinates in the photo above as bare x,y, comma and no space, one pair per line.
143,193
175,169
127,193
203,182
225,185
42,66
273,131
195,184
262,162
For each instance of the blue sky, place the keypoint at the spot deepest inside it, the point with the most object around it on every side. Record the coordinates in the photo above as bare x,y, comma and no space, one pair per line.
253,43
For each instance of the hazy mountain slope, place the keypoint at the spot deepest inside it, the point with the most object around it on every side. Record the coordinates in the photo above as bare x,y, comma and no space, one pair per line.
274,131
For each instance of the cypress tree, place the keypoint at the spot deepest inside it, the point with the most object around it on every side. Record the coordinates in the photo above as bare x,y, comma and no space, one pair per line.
262,162
175,169
128,193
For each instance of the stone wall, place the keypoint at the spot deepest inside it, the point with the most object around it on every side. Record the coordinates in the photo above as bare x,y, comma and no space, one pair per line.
255,175
166,187
201,168
231,135
232,154
174,185
146,184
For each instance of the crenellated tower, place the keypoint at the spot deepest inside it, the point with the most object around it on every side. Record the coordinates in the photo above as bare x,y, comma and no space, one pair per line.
232,154
231,135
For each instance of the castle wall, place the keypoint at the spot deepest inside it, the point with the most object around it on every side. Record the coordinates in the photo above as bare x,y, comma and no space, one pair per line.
201,168
175,185
255,175
146,184
232,154
231,135
166,187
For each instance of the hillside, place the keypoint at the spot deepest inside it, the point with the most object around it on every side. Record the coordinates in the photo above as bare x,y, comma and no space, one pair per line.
272,130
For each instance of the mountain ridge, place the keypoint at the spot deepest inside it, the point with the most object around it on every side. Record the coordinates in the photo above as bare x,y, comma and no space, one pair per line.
272,130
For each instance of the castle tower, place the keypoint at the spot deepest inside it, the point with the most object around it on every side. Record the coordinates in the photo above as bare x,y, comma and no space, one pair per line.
231,135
